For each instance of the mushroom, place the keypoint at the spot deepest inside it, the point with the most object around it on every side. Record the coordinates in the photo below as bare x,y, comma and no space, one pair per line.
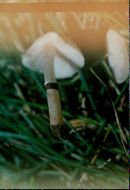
56,59
118,56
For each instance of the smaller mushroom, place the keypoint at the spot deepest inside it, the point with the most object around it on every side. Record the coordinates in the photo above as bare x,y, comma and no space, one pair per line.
56,59
118,56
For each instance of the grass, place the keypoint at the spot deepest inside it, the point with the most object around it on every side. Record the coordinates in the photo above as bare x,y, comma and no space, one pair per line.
30,156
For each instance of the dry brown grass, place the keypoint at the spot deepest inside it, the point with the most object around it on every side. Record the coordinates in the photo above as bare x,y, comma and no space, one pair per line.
19,30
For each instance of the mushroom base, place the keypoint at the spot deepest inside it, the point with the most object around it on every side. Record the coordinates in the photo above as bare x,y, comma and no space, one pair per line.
60,131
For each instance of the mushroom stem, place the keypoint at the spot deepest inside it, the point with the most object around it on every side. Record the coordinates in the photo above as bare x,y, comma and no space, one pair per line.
53,97
55,111
48,66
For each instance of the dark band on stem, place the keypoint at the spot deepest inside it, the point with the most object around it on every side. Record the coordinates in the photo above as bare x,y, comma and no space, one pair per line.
52,86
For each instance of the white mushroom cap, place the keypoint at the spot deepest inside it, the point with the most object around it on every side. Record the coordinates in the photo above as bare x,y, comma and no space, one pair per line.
118,56
67,59
36,55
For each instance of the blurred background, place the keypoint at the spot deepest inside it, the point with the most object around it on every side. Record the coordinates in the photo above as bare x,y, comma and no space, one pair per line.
95,107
